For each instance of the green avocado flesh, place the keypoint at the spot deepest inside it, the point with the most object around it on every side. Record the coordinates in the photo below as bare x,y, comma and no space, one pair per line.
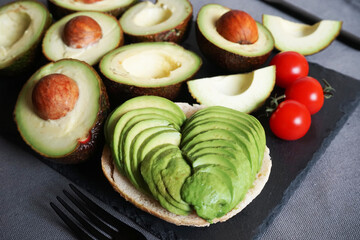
205,163
56,138
22,25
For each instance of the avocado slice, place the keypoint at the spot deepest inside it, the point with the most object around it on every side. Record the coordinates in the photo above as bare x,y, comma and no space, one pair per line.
247,121
164,20
169,186
142,102
302,38
62,140
160,152
22,26
61,8
149,68
233,57
55,47
210,191
120,131
245,92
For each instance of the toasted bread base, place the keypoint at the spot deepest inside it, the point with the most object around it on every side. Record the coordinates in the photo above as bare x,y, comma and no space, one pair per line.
148,204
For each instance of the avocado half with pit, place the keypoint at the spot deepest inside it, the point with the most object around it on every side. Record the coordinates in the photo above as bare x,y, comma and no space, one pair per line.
244,92
61,109
231,56
303,38
86,36
61,8
148,68
166,20
22,26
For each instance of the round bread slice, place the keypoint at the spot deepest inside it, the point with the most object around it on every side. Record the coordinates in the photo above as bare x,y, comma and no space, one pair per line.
148,204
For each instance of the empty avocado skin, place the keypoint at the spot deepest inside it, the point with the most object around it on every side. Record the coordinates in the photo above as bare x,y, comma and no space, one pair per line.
210,170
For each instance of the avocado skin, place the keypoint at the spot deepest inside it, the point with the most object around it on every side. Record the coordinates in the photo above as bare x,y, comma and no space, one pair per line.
60,12
119,92
176,35
25,62
226,60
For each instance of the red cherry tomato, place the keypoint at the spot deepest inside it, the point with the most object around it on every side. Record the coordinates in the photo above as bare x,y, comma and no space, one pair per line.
290,121
289,67
308,91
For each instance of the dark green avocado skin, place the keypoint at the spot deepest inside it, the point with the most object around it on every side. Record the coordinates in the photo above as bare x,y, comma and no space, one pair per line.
25,62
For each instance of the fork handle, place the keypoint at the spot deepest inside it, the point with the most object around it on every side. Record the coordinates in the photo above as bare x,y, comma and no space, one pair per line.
309,18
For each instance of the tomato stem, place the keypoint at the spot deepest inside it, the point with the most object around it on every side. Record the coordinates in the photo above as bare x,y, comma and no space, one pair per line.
274,103
328,90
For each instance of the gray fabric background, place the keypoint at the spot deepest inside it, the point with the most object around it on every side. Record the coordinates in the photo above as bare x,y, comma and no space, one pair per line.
325,205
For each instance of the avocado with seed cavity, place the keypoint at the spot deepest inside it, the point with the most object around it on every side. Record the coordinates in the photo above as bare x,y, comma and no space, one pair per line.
165,20
231,56
148,68
22,26
61,109
86,36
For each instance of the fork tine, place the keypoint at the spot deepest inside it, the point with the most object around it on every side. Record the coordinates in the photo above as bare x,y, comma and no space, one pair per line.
90,228
107,217
97,222
79,232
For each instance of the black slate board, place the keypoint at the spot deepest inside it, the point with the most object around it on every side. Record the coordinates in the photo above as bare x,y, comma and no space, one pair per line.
291,160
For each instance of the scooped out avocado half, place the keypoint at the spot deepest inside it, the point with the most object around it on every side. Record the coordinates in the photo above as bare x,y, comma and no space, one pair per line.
148,68
61,109
240,56
86,36
205,163
22,26
166,20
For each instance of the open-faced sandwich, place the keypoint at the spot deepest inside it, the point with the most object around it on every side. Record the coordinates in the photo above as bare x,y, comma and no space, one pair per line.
188,165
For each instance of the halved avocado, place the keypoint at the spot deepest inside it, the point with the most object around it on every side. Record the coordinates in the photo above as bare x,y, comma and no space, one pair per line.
233,57
22,26
149,68
244,92
55,48
303,38
74,137
61,8
166,20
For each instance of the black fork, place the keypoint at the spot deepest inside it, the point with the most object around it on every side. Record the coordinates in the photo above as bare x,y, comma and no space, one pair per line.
94,222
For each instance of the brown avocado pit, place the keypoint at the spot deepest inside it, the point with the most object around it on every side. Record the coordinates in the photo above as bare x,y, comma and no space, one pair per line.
81,31
54,96
237,26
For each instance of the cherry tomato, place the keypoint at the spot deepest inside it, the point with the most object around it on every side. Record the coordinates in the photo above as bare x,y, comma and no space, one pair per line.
289,67
308,91
290,121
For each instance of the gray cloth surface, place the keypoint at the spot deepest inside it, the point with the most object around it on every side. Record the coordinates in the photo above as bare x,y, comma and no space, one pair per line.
325,205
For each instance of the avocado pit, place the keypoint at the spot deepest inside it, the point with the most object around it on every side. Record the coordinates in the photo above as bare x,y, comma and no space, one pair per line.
237,26
54,96
81,31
